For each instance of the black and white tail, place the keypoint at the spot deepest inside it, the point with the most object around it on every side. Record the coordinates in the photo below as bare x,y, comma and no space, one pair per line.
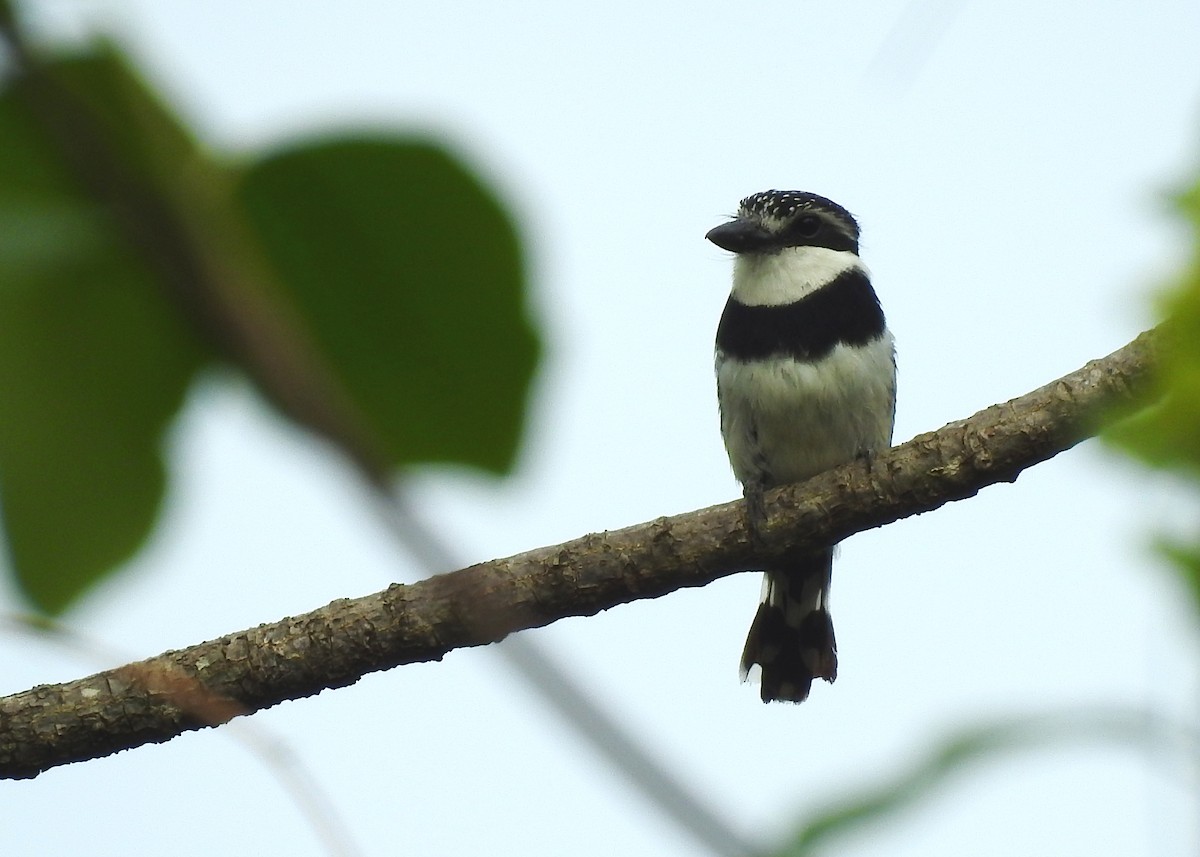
791,640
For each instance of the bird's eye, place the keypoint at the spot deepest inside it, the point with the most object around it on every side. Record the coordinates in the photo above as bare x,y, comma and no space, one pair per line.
807,226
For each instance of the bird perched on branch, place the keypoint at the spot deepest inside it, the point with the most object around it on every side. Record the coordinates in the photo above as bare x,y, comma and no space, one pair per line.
806,380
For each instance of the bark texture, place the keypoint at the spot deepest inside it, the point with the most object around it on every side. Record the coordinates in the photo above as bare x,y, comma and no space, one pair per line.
204,685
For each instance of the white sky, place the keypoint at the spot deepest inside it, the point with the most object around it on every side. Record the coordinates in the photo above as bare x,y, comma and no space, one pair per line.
1007,163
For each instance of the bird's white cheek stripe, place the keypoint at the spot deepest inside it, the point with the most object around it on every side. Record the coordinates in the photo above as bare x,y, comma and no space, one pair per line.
787,276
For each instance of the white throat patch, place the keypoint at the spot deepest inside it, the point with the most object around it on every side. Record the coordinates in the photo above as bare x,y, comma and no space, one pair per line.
774,279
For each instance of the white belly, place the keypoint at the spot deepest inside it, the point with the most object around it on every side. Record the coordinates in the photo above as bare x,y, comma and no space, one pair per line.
784,420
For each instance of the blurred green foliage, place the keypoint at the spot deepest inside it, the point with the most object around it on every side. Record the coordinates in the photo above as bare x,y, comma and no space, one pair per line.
409,274
1167,435
94,363
399,263
972,747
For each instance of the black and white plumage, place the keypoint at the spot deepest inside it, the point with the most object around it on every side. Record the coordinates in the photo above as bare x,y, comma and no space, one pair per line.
806,380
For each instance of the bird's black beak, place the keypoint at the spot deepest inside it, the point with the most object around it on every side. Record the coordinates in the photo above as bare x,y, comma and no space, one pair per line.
739,236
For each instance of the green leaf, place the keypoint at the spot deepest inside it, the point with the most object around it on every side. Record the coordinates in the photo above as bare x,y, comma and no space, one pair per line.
404,267
1167,435
94,362
409,273
1186,558
111,114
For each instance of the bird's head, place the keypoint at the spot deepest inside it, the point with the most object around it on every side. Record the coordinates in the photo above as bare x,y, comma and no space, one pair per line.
772,220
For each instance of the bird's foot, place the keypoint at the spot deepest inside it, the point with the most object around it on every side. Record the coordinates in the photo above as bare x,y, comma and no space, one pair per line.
756,511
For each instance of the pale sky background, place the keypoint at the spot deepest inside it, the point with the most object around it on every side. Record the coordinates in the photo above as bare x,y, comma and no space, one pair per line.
1008,163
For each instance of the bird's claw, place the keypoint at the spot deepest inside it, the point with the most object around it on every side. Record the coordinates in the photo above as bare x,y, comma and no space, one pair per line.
756,511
